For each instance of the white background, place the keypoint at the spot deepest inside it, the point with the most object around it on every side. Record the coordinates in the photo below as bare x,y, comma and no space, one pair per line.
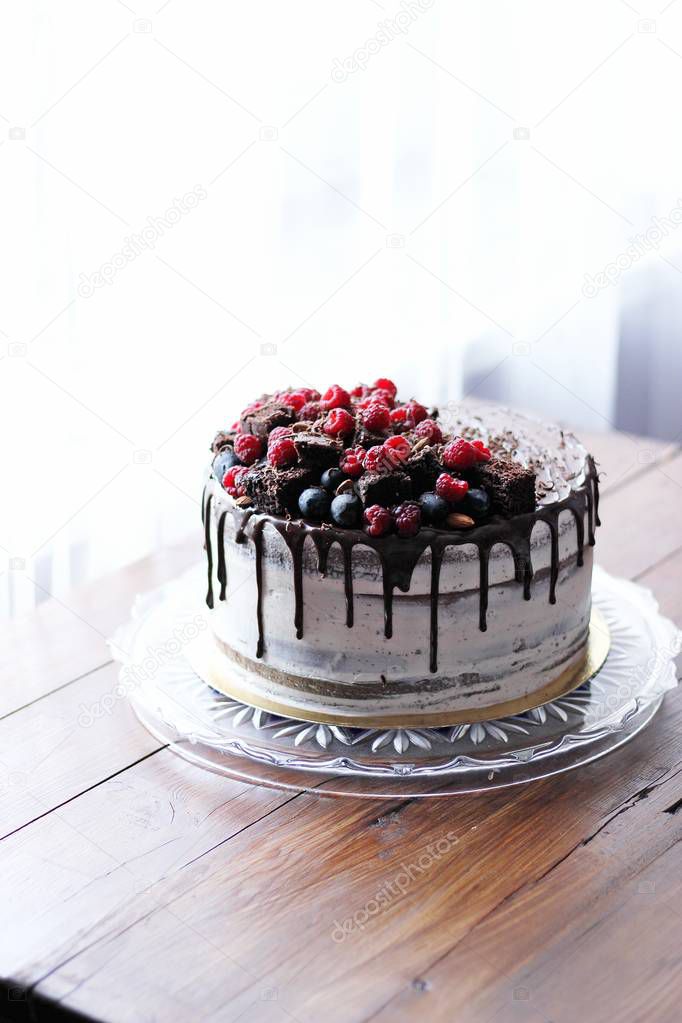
431,217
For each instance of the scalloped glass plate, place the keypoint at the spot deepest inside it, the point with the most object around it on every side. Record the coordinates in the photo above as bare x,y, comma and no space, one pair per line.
232,738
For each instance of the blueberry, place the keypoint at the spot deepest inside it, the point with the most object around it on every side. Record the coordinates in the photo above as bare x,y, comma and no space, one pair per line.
314,504
223,461
332,477
347,510
434,508
476,503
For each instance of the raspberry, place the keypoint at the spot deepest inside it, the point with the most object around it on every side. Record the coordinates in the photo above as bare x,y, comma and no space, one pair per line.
384,384
232,480
361,391
253,407
376,461
339,423
358,453
451,489
462,454
483,453
385,397
282,453
294,399
416,412
378,520
335,397
278,433
376,417
407,518
351,462
431,430
309,412
397,450
247,448
399,416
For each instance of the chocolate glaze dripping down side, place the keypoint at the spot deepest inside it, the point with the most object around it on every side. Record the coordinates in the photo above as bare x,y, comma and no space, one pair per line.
209,552
222,567
399,556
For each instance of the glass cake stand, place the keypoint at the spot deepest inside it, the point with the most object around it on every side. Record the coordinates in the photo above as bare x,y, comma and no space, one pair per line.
232,738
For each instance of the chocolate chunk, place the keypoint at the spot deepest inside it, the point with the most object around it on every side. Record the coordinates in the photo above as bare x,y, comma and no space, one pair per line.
276,491
510,486
316,451
423,467
263,420
364,437
222,439
388,489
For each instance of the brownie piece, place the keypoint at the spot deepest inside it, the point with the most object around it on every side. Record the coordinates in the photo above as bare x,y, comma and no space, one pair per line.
510,486
261,421
423,468
316,451
392,488
276,491
222,439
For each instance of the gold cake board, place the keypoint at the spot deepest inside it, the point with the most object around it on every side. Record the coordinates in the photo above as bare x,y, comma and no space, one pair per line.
208,662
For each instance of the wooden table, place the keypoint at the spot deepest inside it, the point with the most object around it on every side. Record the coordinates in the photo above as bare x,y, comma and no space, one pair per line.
134,886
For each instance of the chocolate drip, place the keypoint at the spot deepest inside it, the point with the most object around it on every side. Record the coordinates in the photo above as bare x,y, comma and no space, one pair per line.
400,556
222,567
209,552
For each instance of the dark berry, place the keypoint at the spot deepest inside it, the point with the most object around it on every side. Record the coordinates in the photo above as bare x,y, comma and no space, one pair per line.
378,520
282,453
335,397
223,461
376,417
331,478
247,448
347,510
476,503
339,423
314,503
431,430
407,518
451,489
434,508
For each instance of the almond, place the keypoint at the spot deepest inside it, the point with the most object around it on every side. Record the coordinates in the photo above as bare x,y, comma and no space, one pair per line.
423,442
456,520
345,488
243,502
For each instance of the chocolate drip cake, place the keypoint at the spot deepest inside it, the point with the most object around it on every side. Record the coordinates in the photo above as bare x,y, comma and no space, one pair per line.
371,561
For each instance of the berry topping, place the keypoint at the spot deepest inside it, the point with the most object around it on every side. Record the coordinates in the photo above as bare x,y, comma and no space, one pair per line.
278,433
339,423
431,430
294,399
376,417
384,397
232,480
361,391
223,461
451,489
346,510
331,478
335,397
462,454
407,517
247,448
378,520
309,412
476,503
416,412
314,503
397,450
376,460
434,508
384,384
282,453
399,416
351,463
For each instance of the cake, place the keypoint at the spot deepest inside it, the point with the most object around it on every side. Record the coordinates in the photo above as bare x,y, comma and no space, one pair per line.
371,561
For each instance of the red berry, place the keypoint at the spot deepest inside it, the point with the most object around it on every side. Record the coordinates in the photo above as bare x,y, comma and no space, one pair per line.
282,453
232,480
339,423
351,462
309,412
384,384
431,430
461,454
482,452
407,518
294,399
247,448
416,412
376,461
376,417
451,489
358,453
397,450
378,520
253,407
278,433
361,391
335,397
399,416
385,397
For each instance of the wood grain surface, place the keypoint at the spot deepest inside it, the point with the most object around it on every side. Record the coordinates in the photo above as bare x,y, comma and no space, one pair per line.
136,887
